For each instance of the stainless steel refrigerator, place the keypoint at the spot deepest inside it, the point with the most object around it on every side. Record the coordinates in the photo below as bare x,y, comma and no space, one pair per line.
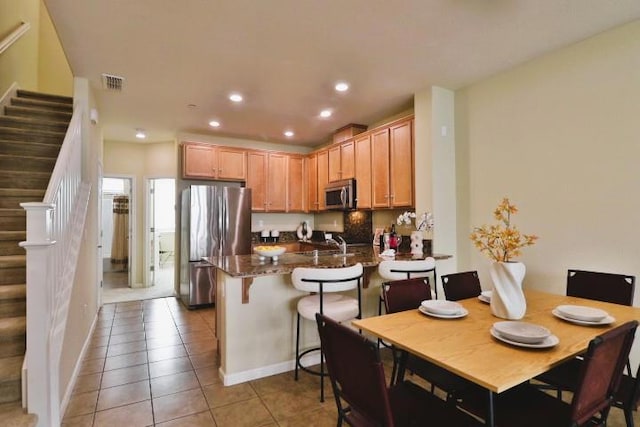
215,221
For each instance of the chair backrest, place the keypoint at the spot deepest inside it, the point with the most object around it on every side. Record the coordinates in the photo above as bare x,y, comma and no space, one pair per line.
356,372
607,287
406,269
601,372
407,294
332,279
459,286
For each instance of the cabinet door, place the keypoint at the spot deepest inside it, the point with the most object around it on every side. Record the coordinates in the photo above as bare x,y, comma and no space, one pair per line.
198,161
276,183
232,164
347,159
401,164
312,182
295,178
335,173
257,180
380,168
363,171
323,178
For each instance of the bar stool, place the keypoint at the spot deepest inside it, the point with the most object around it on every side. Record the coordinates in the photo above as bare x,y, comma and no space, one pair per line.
339,307
407,269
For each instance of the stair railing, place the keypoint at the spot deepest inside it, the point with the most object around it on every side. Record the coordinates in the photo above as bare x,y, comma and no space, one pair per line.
54,233
14,36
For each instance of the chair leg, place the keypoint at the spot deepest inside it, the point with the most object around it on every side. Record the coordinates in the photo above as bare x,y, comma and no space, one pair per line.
297,346
321,373
628,416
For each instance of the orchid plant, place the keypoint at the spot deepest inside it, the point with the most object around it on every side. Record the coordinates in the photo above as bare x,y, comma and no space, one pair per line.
424,224
503,241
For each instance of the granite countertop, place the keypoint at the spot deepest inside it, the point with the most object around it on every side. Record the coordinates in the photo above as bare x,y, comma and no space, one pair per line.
253,266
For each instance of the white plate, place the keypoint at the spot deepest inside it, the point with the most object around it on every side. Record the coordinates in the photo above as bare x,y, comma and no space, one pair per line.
606,321
460,314
484,298
581,312
523,332
438,306
550,341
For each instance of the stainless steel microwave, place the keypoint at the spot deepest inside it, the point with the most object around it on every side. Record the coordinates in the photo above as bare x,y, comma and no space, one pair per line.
341,195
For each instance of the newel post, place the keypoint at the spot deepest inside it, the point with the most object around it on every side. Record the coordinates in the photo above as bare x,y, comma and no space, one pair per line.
41,376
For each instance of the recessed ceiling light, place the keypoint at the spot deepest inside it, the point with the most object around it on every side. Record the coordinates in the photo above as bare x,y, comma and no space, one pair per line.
140,134
235,97
342,86
214,123
288,133
325,113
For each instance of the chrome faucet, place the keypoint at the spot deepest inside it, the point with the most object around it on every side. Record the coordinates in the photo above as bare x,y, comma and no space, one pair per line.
342,244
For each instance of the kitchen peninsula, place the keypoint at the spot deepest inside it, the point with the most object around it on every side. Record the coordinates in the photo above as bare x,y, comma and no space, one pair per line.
256,308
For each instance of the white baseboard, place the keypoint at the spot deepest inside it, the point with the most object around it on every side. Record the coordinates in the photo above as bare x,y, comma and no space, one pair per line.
76,370
266,371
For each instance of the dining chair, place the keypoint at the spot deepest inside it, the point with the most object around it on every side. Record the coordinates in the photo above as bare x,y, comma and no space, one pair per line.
319,282
457,286
606,287
358,379
406,269
598,380
402,295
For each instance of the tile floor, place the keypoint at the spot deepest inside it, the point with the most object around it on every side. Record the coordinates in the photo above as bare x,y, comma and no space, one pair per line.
153,363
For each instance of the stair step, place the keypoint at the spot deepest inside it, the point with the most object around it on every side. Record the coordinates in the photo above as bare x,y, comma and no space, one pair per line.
14,162
21,179
12,415
31,135
12,269
13,300
55,115
44,96
12,197
33,124
13,261
10,379
43,105
9,242
13,331
29,149
13,219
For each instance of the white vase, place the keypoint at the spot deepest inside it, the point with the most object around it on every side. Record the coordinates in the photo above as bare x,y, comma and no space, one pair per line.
416,243
507,299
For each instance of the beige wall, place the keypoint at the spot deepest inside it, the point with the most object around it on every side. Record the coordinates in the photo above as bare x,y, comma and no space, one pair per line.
19,63
559,136
140,161
54,73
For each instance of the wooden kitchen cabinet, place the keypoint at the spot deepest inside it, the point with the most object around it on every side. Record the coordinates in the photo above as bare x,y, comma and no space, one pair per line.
295,184
323,177
266,173
362,148
392,165
312,182
341,161
202,161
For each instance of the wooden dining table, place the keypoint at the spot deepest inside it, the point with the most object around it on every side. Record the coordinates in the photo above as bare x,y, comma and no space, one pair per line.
466,347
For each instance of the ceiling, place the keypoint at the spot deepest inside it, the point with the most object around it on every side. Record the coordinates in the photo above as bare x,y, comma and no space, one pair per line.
181,59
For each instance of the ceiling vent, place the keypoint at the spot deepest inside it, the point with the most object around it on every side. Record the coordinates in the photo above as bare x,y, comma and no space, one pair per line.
112,83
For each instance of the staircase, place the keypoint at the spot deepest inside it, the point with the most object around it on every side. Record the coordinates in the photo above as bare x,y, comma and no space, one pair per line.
31,132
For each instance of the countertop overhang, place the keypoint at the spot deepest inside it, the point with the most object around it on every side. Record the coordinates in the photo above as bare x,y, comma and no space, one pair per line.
245,266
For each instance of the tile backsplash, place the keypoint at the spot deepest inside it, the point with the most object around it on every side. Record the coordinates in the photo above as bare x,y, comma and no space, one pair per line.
358,226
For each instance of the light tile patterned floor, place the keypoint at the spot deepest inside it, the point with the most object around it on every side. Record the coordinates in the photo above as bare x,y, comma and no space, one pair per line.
153,363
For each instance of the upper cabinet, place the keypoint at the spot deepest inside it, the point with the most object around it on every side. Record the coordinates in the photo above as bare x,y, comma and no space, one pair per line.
323,177
312,182
295,184
276,181
363,171
203,161
341,161
392,165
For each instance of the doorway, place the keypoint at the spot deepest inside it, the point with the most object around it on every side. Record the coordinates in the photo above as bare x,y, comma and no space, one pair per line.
160,237
116,232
